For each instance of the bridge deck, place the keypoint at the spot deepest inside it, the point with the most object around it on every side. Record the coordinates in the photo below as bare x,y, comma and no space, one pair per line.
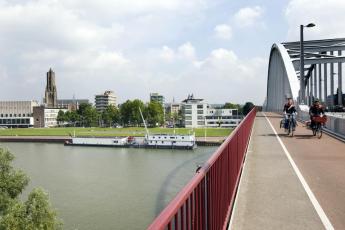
271,195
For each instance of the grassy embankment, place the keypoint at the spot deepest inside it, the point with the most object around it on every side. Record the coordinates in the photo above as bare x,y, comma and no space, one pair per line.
133,131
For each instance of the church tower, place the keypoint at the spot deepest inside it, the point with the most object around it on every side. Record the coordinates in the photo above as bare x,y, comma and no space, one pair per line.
50,98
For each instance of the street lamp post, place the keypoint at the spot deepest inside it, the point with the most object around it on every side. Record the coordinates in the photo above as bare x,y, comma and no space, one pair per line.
301,71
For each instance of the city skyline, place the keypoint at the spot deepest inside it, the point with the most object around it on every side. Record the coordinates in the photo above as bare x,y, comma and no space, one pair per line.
214,49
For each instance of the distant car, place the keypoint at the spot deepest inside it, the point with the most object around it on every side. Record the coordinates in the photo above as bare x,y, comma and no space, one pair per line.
170,126
3,127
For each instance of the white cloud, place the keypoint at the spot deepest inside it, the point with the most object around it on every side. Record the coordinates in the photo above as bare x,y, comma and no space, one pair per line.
132,47
221,73
167,53
248,16
187,51
223,31
184,51
327,15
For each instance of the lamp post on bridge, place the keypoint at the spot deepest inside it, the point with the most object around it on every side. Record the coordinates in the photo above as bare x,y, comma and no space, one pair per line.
301,71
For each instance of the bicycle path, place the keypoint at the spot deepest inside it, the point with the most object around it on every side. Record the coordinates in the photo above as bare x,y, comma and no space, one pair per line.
322,163
271,196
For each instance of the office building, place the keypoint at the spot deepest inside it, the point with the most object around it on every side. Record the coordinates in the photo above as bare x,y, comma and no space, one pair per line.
17,114
102,101
157,97
175,108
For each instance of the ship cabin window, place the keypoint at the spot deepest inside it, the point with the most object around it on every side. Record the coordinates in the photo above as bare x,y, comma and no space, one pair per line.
162,142
174,142
182,137
115,141
172,137
159,137
151,141
165,137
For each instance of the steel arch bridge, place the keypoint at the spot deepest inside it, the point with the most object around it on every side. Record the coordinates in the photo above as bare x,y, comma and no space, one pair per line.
322,73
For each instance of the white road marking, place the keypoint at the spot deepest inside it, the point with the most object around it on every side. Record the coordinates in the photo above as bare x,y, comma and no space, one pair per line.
328,225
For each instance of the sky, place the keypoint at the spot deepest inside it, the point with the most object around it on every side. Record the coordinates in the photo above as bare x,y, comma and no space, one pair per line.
216,49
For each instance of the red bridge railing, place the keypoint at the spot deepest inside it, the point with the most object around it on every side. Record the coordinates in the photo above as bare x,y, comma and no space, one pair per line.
206,201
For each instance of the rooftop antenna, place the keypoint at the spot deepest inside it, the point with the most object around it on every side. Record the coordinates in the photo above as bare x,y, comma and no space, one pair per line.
142,117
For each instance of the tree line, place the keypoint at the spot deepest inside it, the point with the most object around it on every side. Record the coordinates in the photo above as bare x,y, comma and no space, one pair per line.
245,109
127,114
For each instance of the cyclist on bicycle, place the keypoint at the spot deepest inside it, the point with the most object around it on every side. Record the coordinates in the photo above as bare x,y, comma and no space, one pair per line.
289,110
316,110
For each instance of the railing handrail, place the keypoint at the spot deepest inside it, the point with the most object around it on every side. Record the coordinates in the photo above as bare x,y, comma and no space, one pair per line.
170,210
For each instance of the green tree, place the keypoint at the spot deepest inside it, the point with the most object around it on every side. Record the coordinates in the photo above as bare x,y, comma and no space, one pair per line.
126,112
73,117
61,118
135,116
247,107
230,105
130,114
34,214
110,116
12,182
154,113
88,115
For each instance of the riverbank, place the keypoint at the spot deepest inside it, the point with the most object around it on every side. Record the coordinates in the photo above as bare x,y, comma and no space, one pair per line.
119,132
201,141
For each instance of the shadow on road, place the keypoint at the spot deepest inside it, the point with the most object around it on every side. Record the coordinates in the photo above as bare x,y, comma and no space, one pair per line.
284,135
269,116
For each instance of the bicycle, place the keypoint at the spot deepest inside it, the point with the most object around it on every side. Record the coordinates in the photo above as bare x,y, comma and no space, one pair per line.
289,125
317,128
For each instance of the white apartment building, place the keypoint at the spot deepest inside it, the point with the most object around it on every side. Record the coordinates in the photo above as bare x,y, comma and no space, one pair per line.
17,114
197,113
102,101
194,111
225,118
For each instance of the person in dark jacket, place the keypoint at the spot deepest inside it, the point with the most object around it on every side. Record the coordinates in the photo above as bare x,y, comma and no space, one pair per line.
316,110
290,110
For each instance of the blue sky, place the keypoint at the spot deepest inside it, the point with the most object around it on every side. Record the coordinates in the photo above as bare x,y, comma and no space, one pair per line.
216,49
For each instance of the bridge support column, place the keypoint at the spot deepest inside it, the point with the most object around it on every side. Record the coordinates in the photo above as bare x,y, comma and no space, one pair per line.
340,82
311,83
307,92
325,85
332,81
315,81
320,83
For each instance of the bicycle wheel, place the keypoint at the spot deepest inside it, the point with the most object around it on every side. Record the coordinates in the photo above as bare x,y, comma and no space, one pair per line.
319,131
288,128
291,130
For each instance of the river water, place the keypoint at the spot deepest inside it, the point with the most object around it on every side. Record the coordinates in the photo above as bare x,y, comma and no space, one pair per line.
107,188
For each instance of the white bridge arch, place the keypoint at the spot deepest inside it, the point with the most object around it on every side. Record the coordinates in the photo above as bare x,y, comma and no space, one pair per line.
322,73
